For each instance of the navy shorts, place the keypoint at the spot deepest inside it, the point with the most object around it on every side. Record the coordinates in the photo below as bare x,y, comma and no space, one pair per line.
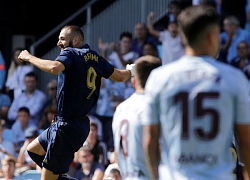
60,141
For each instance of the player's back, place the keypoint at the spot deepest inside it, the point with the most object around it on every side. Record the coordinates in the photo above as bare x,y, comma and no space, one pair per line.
128,135
198,100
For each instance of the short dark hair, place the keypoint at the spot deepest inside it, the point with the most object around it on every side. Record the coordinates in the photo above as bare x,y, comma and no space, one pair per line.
24,109
126,34
144,66
194,20
9,159
244,42
75,31
31,74
175,3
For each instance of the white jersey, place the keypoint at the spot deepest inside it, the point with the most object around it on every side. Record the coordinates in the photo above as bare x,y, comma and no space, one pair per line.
128,132
197,101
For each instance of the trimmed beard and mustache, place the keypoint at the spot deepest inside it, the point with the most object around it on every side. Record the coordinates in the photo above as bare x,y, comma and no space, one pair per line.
69,45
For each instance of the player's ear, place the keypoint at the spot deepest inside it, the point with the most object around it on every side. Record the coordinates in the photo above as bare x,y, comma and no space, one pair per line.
76,40
133,81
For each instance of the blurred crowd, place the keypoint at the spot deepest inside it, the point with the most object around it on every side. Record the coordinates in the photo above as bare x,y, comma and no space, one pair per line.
25,111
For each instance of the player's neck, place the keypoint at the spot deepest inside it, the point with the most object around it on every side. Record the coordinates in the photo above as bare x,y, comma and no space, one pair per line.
193,52
139,90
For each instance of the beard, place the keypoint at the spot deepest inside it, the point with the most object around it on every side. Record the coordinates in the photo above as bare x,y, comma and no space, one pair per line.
69,45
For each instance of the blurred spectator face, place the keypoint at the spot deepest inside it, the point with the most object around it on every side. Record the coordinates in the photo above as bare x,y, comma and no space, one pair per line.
30,83
23,117
8,169
50,116
86,158
140,31
242,49
174,9
52,89
148,49
173,29
229,28
125,43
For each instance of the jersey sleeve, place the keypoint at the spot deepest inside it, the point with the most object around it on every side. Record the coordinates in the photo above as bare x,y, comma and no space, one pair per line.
66,58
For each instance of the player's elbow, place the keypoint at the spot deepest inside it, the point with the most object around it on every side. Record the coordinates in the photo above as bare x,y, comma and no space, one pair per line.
55,71
57,68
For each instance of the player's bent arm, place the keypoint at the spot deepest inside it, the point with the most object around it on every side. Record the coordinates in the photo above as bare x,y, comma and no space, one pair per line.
120,75
151,135
49,66
243,136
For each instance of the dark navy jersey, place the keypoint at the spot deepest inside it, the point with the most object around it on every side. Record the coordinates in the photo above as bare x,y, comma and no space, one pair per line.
79,84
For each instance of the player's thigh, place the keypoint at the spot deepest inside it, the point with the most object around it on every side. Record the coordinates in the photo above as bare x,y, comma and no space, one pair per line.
47,174
36,147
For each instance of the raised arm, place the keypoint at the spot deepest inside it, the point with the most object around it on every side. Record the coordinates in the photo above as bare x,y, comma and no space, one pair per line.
151,28
49,66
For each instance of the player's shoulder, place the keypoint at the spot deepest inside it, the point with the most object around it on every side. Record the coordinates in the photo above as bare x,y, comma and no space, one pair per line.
126,103
229,70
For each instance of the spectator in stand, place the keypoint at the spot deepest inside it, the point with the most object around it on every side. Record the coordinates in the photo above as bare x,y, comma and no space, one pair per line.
5,103
90,169
230,38
2,71
47,118
18,129
174,8
6,146
242,61
141,36
52,90
24,162
15,78
99,148
8,168
247,25
172,47
235,8
33,98
121,54
150,49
